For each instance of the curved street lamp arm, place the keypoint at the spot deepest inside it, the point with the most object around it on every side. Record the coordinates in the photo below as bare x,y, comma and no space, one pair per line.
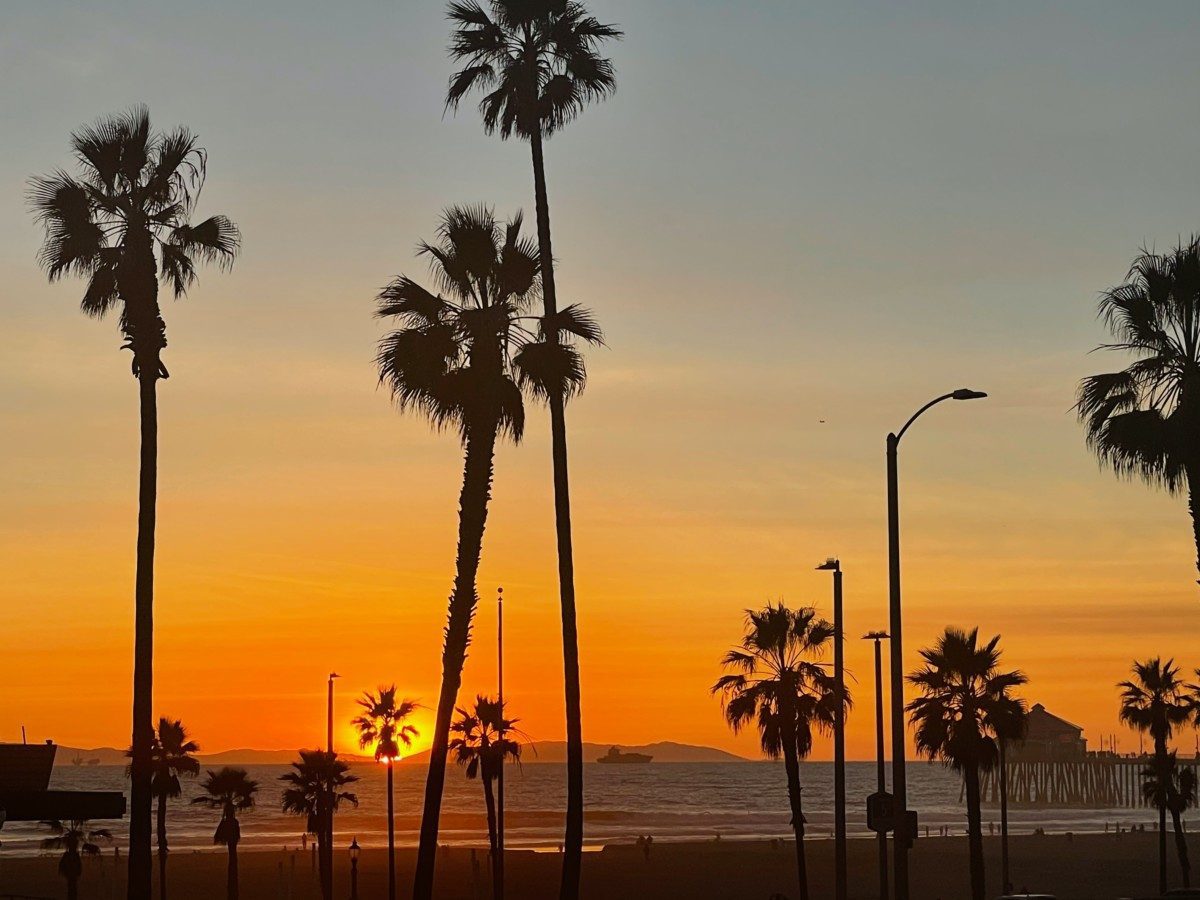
917,414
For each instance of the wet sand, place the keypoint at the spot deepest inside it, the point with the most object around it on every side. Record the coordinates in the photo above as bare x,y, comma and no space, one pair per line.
1087,867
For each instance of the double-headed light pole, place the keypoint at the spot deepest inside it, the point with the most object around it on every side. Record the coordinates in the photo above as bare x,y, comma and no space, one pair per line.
902,839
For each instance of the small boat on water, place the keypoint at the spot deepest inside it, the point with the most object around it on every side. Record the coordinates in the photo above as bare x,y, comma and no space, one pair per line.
616,756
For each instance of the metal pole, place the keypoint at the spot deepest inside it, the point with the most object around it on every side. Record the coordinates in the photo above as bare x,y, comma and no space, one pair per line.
328,792
500,774
901,837
839,741
880,771
1004,820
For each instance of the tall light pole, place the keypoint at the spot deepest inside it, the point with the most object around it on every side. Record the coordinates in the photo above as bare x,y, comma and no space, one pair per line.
880,771
839,734
328,792
329,713
902,840
500,774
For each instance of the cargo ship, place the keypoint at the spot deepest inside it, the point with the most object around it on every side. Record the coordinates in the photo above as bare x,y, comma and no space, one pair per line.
616,756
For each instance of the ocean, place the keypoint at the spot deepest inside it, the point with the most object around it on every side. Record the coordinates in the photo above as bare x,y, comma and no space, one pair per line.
670,801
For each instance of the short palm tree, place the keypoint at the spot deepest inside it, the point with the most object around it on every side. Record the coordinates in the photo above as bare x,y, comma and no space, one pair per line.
124,224
1174,789
966,707
538,66
76,839
231,791
482,745
314,789
1145,419
171,758
462,358
381,726
777,683
1155,702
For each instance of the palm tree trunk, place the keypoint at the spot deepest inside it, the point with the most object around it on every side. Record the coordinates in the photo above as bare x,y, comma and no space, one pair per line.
143,653
1164,769
974,830
162,847
489,802
1185,866
391,834
472,519
231,883
573,838
322,837
73,888
791,764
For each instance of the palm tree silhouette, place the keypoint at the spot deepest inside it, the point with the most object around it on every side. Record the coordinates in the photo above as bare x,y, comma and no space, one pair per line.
314,790
76,839
1145,419
382,725
965,709
463,360
123,224
777,684
232,791
171,757
537,63
1155,702
481,744
1173,789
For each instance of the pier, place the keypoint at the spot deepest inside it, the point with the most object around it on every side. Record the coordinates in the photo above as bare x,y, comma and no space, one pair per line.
1098,782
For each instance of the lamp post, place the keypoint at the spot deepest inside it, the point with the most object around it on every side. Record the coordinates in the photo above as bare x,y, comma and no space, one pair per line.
354,851
902,839
839,734
880,772
500,774
327,794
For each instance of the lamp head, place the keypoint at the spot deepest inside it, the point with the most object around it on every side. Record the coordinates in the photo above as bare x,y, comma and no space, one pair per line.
354,849
968,394
831,564
333,675
876,636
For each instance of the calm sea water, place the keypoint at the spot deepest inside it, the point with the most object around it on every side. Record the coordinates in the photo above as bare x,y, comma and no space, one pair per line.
671,801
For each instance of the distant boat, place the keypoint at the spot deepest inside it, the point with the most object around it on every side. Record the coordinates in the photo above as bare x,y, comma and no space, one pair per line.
77,761
94,762
616,756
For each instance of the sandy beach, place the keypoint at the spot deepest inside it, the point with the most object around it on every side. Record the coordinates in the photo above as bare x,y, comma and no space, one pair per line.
1086,867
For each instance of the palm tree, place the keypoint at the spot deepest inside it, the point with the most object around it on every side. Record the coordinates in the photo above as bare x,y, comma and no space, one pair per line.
1145,419
76,839
123,224
537,64
171,757
463,360
1155,702
481,744
231,791
382,725
777,684
965,709
1174,789
314,790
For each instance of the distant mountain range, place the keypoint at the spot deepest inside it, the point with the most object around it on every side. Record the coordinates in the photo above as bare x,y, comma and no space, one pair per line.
538,752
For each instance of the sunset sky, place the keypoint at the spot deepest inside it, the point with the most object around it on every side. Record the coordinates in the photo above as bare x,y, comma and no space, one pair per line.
797,222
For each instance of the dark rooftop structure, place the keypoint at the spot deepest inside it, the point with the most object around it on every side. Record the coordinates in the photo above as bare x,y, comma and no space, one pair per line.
25,794
1049,739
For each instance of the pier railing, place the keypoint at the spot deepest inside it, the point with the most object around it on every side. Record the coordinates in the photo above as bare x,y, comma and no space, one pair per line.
1097,782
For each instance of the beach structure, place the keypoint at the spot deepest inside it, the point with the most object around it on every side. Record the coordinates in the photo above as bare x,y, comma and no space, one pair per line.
25,795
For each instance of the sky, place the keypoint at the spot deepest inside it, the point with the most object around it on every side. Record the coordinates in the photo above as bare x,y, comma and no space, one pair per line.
796,222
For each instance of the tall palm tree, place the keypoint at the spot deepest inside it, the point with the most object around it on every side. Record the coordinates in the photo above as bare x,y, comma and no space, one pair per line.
171,758
1174,789
462,358
965,709
315,790
538,66
76,839
382,726
232,791
777,683
1155,702
482,745
124,224
1145,419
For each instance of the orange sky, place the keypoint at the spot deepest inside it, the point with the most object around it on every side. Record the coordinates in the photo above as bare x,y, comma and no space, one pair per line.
906,206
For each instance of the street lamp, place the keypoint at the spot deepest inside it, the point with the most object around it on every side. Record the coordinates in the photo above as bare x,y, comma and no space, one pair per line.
880,773
902,838
325,801
354,851
839,733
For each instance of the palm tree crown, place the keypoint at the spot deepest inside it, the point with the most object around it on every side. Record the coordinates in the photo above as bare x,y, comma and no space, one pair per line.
76,838
535,61
776,672
464,356
123,222
382,723
171,757
318,776
481,743
230,790
1155,700
966,704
